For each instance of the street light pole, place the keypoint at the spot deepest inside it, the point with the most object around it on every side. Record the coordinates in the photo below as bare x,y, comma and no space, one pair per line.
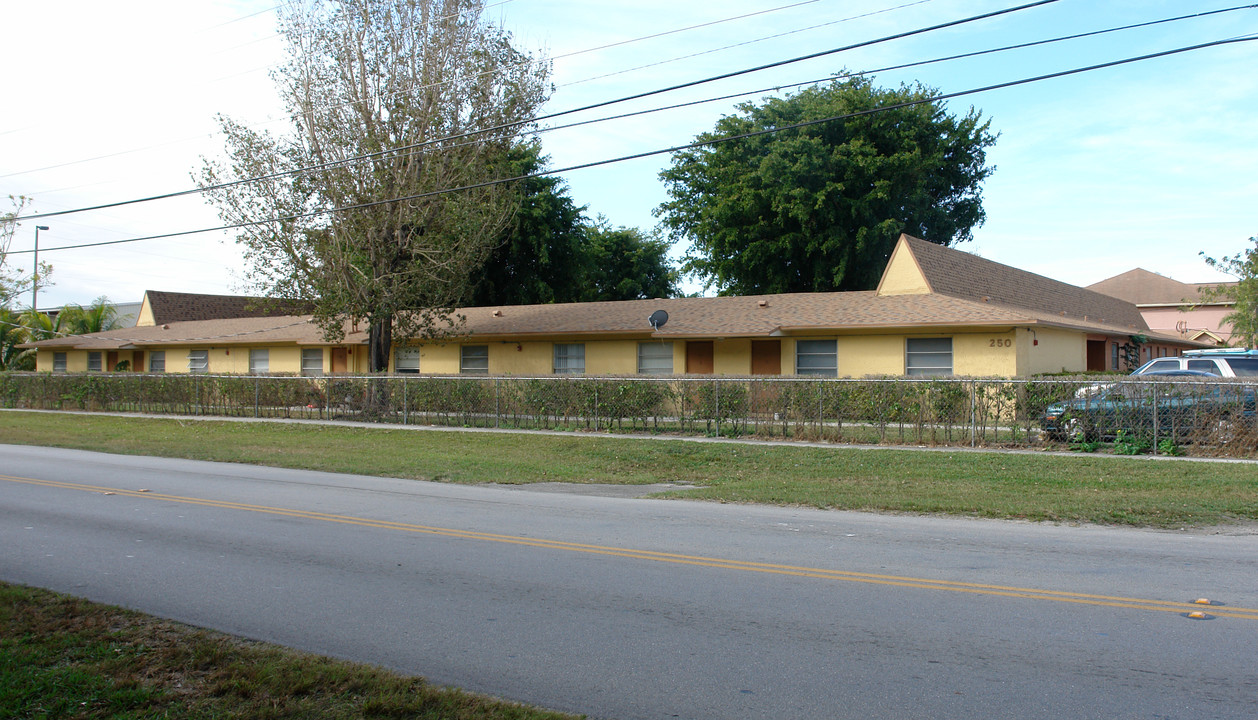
35,275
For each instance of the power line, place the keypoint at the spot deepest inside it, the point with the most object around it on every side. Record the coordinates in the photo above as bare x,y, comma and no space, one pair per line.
743,44
425,87
594,106
677,148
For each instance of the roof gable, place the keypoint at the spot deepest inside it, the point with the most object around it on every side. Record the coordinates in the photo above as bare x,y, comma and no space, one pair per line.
969,277
161,308
903,275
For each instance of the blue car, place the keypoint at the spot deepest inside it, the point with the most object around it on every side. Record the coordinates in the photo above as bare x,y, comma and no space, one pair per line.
1177,404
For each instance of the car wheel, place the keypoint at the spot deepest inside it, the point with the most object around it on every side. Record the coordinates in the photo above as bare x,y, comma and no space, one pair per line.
1078,429
1224,430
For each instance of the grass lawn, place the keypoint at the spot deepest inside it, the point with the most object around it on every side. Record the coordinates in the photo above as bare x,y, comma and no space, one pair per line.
61,657
1136,491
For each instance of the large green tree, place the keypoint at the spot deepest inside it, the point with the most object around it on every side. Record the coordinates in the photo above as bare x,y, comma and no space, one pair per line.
626,264
372,240
1244,316
819,208
541,256
552,253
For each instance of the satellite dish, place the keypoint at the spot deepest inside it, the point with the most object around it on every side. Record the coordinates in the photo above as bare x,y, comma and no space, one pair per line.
657,319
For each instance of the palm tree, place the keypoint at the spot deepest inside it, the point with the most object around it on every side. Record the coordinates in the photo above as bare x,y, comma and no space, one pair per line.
97,317
42,326
14,332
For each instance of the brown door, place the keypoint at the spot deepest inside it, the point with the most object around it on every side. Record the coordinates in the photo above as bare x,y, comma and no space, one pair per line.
766,357
137,361
1096,355
699,357
111,361
340,360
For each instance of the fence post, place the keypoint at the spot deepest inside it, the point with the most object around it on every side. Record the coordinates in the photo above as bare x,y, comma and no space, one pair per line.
596,406
821,419
497,406
973,412
406,406
327,397
257,388
718,407
1156,392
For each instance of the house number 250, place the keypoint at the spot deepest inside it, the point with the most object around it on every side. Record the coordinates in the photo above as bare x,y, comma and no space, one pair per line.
1000,342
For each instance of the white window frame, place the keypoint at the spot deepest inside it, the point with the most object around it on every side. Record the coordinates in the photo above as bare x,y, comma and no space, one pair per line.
259,361
927,359
406,360
199,361
569,358
58,362
157,361
817,358
96,359
655,358
312,362
474,359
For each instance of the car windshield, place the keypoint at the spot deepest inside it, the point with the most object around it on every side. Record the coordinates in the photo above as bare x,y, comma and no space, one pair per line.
1244,367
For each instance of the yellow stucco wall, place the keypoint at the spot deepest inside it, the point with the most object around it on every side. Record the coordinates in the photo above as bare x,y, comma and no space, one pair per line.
860,356
613,357
441,359
730,357
999,353
984,354
525,358
1057,351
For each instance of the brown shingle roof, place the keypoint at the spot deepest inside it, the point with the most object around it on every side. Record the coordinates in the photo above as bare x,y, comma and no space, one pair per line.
281,330
966,291
1142,287
969,277
169,307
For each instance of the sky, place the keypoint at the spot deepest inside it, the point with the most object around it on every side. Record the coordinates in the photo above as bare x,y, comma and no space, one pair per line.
1144,165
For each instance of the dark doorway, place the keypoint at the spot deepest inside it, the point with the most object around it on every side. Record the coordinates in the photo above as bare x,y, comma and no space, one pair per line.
340,360
699,357
766,357
1096,355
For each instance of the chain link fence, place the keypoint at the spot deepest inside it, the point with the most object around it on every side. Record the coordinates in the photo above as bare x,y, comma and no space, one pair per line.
1122,415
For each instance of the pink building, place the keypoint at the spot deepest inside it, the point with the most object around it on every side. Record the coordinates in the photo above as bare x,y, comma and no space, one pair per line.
1171,306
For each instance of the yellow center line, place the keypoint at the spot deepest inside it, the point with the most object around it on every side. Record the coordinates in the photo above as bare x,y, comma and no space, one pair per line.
674,558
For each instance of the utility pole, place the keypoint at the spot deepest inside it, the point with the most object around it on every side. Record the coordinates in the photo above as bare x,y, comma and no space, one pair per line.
35,276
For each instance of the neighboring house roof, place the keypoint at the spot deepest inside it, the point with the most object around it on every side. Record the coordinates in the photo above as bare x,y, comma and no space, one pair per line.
925,288
1141,287
160,307
280,330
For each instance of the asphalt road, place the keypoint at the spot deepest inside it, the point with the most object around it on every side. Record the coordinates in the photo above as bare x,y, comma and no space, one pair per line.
636,608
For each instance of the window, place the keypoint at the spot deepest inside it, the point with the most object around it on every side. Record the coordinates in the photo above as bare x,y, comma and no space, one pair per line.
817,357
928,356
569,358
58,362
259,361
474,359
198,361
157,361
406,360
1114,356
312,362
93,362
655,358
1244,367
